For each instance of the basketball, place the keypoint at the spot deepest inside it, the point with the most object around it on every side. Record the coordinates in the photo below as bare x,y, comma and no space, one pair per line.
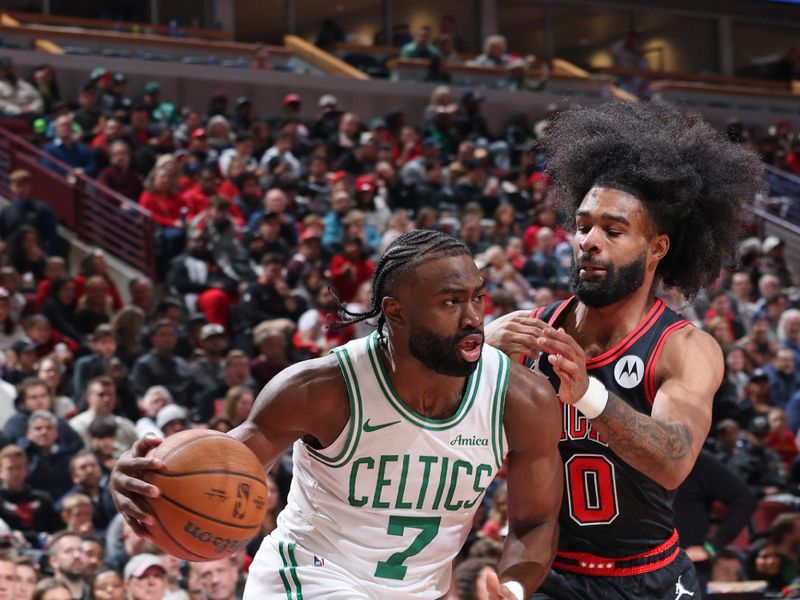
213,495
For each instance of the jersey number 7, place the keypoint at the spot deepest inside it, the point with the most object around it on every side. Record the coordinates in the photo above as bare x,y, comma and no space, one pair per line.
393,567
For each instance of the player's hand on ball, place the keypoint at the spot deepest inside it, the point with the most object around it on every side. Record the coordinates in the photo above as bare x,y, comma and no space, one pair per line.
568,361
128,487
496,590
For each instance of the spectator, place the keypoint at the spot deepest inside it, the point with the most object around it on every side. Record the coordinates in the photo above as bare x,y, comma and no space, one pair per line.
26,255
107,585
314,335
759,467
329,35
60,307
27,510
203,283
66,149
76,513
103,344
470,577
160,366
51,371
421,47
350,268
101,399
727,566
207,370
10,331
269,297
27,578
273,355
627,54
48,458
495,53
88,480
236,372
172,419
119,174
279,161
24,210
162,200
95,307
68,563
757,344
218,579
154,399
237,404
242,150
18,98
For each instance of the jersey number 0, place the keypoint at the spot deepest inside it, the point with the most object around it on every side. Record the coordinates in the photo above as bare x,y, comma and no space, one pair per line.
591,489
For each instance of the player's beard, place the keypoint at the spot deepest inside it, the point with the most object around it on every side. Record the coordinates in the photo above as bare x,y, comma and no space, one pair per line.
440,353
618,282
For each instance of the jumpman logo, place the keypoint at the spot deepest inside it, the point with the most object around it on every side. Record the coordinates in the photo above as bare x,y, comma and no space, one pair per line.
681,591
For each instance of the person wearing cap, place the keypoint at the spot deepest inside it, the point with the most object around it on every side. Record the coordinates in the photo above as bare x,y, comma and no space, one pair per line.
207,371
308,256
161,112
327,121
269,297
756,464
774,261
359,159
145,578
18,98
372,204
25,210
172,419
244,114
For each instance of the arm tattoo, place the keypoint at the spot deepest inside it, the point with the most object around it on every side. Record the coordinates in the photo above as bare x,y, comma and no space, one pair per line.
649,445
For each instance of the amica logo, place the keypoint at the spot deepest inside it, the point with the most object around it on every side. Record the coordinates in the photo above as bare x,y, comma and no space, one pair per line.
461,440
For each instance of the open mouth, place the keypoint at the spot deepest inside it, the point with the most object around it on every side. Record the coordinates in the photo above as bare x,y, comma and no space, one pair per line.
470,348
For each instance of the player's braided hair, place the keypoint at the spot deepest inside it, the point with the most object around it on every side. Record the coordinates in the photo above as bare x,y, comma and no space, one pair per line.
404,254
691,180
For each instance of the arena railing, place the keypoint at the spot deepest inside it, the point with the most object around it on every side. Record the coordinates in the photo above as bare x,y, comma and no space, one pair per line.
95,213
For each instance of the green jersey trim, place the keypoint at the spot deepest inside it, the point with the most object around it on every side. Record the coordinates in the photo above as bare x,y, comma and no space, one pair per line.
354,396
292,571
385,383
498,408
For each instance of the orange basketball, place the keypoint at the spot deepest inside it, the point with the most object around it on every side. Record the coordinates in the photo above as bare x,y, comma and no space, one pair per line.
213,495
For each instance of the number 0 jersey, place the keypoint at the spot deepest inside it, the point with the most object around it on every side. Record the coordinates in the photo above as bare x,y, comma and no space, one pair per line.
392,499
609,508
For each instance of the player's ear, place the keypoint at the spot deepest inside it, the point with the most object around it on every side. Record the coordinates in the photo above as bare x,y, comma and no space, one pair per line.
392,309
659,246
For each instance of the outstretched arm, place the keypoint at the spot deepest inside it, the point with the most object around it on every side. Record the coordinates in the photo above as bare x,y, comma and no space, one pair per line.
665,444
307,399
535,482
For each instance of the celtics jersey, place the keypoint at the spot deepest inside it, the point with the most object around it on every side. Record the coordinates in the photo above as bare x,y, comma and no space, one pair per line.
392,499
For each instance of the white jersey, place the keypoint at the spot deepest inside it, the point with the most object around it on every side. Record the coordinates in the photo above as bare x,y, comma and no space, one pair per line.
392,499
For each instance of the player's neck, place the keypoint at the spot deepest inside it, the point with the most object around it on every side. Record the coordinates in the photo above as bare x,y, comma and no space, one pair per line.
598,329
424,391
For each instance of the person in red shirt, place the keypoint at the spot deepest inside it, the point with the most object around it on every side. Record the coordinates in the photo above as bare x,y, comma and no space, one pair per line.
780,438
350,269
162,200
198,197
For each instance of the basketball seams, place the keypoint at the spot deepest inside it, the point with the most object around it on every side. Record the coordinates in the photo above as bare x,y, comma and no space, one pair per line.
210,472
208,517
205,435
173,539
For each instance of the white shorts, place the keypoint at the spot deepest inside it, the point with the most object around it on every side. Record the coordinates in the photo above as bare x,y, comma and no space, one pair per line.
287,571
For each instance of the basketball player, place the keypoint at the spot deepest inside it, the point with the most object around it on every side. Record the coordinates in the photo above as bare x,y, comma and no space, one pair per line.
656,196
396,437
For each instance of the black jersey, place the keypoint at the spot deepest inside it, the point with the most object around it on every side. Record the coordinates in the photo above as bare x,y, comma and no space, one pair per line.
610,509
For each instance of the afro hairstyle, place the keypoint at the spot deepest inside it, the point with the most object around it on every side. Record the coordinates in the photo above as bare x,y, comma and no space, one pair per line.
691,180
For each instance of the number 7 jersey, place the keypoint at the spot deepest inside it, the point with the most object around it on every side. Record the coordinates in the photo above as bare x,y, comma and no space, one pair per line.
392,499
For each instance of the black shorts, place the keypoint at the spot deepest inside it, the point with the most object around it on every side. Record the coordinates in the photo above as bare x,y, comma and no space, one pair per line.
676,581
